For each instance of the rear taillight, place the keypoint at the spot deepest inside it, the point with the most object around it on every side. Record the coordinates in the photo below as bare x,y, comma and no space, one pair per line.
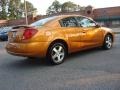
29,33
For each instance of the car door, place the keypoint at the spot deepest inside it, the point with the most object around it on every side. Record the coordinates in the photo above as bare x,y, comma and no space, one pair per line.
70,28
91,36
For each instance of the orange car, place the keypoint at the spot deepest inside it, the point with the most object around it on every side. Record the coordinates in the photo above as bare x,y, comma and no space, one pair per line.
54,37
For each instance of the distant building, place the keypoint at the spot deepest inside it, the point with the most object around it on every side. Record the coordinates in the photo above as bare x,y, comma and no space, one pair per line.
104,16
107,16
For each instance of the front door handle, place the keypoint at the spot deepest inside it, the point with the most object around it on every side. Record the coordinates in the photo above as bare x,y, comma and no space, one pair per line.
83,32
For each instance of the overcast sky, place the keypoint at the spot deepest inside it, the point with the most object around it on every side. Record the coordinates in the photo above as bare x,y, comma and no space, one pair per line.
42,5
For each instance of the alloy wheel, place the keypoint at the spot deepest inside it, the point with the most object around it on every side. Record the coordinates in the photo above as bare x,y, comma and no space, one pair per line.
108,41
58,53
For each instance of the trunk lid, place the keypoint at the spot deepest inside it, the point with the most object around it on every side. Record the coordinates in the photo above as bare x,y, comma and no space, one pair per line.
16,34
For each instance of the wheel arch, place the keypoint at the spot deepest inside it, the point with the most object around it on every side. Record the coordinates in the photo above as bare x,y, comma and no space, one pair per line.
108,33
59,41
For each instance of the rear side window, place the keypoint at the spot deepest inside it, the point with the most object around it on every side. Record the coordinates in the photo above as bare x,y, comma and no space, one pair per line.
68,22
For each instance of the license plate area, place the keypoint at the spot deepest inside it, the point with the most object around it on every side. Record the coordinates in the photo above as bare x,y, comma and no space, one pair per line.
15,35
12,36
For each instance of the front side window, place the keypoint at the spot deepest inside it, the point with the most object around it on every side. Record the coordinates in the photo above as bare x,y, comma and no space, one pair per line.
68,22
85,22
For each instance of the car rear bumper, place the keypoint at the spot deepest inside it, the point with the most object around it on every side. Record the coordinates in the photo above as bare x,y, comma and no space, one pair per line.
35,49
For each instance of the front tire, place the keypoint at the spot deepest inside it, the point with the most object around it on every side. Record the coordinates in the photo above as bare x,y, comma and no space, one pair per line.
107,42
56,53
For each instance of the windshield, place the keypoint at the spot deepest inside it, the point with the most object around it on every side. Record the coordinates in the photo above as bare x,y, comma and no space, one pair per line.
41,22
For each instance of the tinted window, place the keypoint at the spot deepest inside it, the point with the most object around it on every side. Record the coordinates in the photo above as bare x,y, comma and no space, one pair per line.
42,21
85,22
69,22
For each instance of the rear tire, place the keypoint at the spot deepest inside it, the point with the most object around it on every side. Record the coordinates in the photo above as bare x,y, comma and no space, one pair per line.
56,54
108,40
30,58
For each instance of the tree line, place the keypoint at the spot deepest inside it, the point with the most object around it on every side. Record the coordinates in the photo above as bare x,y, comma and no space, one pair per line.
14,9
69,6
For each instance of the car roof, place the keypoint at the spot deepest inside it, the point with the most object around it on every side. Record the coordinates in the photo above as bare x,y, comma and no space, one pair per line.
65,16
55,23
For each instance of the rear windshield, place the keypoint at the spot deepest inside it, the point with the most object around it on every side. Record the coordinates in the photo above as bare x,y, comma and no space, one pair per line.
41,22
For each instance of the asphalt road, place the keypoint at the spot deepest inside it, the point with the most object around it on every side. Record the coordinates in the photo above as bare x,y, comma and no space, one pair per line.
94,69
